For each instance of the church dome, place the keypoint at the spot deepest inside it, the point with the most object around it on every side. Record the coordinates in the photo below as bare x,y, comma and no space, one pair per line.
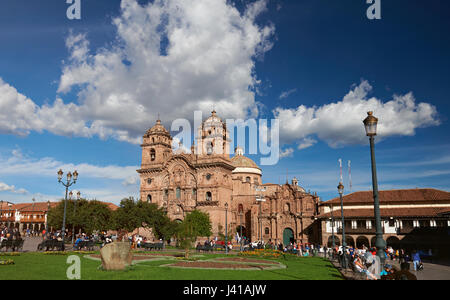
158,128
244,164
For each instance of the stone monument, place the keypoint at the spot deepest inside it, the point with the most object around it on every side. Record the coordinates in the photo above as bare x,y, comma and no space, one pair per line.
116,256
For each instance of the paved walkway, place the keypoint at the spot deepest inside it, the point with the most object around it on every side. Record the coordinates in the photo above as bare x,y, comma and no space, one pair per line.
430,271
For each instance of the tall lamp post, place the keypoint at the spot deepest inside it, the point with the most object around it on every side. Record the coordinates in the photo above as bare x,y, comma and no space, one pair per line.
48,209
333,242
226,228
1,212
260,199
241,240
10,213
370,124
32,217
344,243
74,213
69,182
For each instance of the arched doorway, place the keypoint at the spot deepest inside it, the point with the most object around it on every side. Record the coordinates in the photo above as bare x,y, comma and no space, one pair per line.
337,241
288,236
362,241
393,241
349,241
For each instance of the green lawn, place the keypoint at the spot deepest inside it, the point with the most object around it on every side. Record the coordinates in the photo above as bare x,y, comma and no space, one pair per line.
50,267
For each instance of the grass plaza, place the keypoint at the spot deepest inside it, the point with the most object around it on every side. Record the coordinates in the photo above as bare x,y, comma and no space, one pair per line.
169,265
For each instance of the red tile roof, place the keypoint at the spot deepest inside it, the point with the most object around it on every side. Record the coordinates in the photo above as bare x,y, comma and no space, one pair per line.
388,212
394,196
42,206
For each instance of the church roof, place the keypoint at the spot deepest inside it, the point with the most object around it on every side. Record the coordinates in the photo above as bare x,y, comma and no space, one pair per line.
243,164
158,128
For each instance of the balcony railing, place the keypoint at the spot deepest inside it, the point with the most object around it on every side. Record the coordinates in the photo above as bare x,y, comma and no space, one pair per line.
361,230
423,230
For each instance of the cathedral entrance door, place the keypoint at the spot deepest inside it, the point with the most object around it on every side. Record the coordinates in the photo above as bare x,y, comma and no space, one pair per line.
288,236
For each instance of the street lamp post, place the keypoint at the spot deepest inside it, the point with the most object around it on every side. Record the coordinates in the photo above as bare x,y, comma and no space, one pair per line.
48,209
333,242
1,212
226,228
344,243
69,182
74,214
32,217
9,214
370,124
241,240
260,199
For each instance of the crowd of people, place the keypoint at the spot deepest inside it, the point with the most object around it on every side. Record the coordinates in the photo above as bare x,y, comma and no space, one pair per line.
9,233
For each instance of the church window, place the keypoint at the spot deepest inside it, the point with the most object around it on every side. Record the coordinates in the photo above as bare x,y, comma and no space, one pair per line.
178,193
266,230
208,196
152,154
153,139
149,181
256,180
208,176
194,192
247,179
240,208
209,148
149,198
287,207
166,194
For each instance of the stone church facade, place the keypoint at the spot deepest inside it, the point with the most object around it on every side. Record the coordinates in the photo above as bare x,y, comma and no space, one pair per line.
208,179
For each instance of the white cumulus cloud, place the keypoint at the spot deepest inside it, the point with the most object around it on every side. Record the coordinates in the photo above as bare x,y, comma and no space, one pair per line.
11,188
340,123
169,57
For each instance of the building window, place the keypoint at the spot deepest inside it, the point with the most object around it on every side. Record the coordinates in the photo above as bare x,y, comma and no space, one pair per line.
208,196
256,180
266,230
166,194
354,224
433,223
240,208
416,223
194,192
149,198
287,207
149,181
178,193
209,148
208,176
152,154
247,179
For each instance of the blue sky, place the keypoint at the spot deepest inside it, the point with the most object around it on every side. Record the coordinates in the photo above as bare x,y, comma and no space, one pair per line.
306,62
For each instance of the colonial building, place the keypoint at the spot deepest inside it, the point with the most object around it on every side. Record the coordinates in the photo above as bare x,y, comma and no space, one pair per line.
31,215
208,179
412,218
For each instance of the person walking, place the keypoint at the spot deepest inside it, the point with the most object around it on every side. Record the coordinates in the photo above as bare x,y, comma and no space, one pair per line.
416,260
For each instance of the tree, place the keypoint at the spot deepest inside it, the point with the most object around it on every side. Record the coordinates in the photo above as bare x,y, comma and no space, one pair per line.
81,214
131,215
195,224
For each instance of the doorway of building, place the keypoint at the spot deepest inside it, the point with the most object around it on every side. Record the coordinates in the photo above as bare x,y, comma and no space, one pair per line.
288,236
